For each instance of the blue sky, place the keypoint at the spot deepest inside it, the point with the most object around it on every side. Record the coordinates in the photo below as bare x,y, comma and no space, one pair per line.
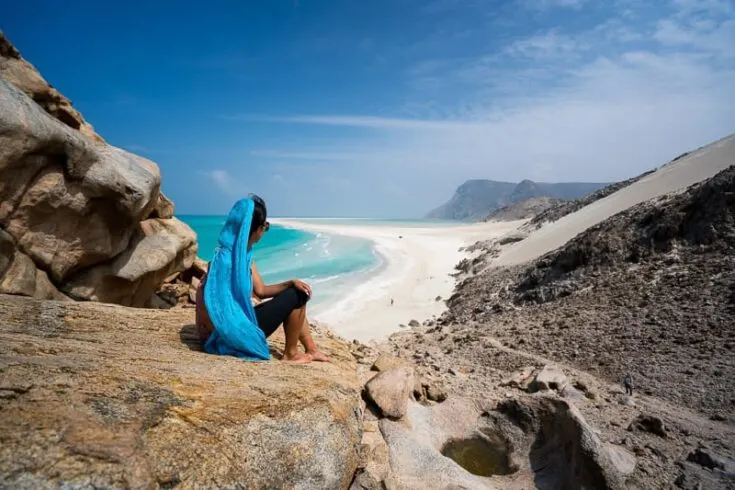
382,108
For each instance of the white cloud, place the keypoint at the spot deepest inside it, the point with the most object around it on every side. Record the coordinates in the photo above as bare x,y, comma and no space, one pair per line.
545,46
359,121
225,182
703,34
709,7
303,155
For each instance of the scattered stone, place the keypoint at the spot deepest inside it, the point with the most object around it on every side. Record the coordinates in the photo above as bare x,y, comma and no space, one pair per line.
414,324
549,378
438,298
622,459
571,393
581,386
705,457
520,379
435,392
199,267
385,362
649,423
626,400
390,390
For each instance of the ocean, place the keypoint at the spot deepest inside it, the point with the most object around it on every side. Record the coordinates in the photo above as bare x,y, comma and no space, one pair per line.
331,264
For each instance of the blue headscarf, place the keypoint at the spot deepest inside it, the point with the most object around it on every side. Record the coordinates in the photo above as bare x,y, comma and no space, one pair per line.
228,289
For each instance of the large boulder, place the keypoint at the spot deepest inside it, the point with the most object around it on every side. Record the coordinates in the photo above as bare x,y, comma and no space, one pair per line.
390,390
159,248
70,202
81,210
23,75
105,396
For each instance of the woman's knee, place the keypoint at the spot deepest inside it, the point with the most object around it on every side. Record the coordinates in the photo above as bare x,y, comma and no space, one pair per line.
300,297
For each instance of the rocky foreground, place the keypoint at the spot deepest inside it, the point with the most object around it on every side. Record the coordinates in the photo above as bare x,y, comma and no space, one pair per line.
102,396
649,292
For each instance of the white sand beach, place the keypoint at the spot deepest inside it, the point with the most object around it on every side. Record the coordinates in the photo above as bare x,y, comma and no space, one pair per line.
419,260
418,264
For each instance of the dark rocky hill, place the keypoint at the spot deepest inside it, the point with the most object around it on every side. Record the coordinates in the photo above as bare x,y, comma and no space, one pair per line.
651,290
475,199
527,208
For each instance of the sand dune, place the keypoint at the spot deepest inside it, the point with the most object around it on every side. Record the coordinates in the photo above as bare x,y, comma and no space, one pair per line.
675,176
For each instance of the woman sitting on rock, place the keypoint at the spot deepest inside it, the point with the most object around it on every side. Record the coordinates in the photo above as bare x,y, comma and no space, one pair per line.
227,321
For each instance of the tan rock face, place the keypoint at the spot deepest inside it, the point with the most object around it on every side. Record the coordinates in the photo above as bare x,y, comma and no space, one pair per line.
390,391
23,75
90,217
385,362
106,396
19,275
159,248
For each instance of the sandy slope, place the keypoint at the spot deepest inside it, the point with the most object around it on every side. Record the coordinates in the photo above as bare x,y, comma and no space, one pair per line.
676,176
418,263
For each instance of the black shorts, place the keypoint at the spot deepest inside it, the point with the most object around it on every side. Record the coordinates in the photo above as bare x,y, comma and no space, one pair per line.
273,312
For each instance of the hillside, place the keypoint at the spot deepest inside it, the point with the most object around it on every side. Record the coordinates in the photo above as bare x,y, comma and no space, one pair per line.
649,291
527,208
475,199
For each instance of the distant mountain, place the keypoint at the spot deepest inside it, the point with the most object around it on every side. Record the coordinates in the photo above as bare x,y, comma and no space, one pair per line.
476,199
527,208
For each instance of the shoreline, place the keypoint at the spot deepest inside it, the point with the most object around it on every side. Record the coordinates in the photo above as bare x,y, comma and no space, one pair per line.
417,263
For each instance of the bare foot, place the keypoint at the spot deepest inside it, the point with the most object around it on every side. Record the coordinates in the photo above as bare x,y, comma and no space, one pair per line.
319,356
298,357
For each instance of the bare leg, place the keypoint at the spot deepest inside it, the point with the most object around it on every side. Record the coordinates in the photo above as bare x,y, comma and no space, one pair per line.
308,342
293,327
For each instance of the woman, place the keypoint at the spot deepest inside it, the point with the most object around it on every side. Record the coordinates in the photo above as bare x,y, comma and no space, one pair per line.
228,323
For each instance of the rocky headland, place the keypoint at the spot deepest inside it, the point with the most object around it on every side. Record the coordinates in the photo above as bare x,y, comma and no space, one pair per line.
476,199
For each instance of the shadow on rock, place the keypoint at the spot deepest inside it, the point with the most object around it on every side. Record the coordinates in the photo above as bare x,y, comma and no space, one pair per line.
190,337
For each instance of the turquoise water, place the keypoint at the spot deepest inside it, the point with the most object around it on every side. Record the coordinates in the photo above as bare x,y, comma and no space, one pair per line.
330,263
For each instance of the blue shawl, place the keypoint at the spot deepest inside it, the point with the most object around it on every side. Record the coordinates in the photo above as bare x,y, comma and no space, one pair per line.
228,289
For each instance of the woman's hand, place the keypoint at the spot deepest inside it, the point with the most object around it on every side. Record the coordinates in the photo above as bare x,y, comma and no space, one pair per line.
301,286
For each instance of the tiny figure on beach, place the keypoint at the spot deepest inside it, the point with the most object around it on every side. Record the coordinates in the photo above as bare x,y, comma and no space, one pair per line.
391,301
227,321
628,384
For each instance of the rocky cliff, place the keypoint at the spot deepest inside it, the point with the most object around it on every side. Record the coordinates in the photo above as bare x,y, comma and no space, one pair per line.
476,199
78,218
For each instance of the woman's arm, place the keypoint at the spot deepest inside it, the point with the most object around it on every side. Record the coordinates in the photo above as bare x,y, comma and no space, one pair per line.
264,291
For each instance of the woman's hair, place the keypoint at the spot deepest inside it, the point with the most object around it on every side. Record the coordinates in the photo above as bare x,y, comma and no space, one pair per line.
259,214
